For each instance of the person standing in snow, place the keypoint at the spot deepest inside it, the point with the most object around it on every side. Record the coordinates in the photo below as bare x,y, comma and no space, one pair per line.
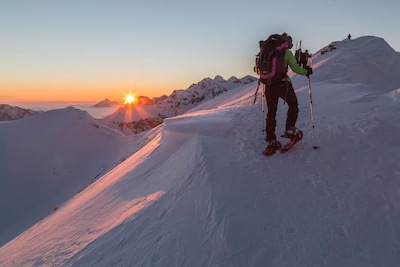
283,89
304,58
297,55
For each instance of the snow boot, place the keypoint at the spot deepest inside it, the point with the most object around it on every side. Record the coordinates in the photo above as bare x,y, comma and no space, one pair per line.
293,133
273,146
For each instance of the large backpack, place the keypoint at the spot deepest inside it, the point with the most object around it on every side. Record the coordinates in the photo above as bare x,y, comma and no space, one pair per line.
270,64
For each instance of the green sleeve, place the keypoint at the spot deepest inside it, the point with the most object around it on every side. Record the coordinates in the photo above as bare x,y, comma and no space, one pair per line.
291,61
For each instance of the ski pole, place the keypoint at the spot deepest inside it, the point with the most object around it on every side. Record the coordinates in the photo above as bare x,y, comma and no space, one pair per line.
263,108
262,103
312,113
255,95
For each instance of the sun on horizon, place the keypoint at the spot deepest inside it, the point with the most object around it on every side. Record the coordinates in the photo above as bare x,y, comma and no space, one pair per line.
129,99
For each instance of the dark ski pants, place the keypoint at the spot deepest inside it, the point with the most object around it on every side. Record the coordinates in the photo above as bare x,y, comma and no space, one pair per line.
285,91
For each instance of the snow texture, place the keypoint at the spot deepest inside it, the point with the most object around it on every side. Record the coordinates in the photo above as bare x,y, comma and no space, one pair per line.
199,192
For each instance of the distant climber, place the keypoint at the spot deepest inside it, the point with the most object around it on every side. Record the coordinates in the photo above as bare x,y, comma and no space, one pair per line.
304,59
349,36
297,54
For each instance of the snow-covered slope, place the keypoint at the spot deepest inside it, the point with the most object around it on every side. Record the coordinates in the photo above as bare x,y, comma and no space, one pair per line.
47,159
201,194
8,113
365,60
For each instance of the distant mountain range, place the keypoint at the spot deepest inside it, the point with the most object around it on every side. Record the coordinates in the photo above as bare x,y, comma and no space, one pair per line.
148,113
106,103
8,113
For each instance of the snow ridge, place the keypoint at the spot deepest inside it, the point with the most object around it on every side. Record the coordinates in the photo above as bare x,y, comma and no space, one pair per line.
367,60
48,158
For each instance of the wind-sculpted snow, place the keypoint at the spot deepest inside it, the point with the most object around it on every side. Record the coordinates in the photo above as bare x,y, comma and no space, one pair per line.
48,158
200,193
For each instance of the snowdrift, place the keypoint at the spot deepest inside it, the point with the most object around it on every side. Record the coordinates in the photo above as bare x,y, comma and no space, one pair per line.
48,158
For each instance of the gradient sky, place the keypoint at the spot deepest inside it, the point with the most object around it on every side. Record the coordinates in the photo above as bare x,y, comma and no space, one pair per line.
89,50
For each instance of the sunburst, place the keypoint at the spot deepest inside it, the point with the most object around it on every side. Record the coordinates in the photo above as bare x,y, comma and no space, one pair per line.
129,99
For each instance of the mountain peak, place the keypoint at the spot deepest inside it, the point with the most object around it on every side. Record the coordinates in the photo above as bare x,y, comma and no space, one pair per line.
8,112
364,60
219,78
106,103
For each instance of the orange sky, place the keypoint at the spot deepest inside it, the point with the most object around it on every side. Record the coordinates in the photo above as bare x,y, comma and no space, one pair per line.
85,92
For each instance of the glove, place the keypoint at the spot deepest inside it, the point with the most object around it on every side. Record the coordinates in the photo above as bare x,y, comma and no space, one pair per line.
309,71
